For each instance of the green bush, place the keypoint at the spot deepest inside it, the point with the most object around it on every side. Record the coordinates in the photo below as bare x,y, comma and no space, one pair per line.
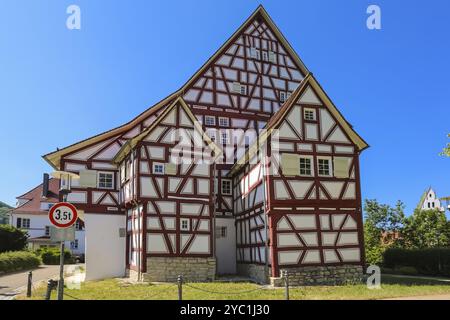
18,260
12,239
432,261
52,256
409,271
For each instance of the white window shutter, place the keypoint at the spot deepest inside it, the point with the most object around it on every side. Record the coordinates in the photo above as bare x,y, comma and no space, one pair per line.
290,164
88,178
341,167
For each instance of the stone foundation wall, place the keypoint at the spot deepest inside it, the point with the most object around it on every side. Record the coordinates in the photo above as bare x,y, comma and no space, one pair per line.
326,275
167,269
131,274
255,271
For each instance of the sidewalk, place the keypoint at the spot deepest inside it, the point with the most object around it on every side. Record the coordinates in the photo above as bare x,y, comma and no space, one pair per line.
14,283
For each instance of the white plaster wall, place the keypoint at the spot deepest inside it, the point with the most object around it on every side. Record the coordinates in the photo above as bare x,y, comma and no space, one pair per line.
105,249
37,229
226,247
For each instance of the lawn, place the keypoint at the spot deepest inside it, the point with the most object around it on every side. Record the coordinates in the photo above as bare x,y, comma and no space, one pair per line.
115,289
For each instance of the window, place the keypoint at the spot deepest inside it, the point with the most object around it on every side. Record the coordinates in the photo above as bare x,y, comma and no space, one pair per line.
23,223
271,56
284,96
106,180
265,56
78,225
210,121
432,204
224,138
309,114
74,244
224,122
254,53
238,88
324,167
226,187
305,167
221,232
184,224
47,230
158,168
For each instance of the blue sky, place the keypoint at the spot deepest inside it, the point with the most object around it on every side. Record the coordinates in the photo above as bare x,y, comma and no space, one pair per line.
58,86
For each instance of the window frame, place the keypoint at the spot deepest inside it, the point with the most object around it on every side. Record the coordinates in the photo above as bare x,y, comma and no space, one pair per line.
222,140
307,110
187,224
213,118
227,122
158,164
222,187
28,224
311,163
330,166
112,180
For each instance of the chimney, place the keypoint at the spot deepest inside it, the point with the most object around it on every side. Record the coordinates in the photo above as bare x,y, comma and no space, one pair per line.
45,186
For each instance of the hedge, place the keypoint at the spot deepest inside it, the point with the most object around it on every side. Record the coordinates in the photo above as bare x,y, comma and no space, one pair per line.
18,260
432,261
52,256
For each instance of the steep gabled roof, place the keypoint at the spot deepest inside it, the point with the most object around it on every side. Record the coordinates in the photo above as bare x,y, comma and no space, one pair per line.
34,197
53,158
130,144
284,110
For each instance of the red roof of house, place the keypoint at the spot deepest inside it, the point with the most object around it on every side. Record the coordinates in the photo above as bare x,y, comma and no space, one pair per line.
34,197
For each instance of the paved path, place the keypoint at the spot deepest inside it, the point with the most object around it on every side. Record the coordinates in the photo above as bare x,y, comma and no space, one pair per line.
11,283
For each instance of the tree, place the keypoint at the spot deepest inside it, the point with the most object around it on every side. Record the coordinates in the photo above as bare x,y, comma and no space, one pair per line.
446,151
382,224
12,239
427,229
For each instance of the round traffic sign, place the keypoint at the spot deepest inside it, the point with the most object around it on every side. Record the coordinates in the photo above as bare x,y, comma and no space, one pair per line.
63,214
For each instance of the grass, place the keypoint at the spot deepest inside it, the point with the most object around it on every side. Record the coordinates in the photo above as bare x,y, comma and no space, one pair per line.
114,289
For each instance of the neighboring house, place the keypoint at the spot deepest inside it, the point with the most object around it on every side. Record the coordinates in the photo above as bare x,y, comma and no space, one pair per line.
430,201
279,187
31,215
4,213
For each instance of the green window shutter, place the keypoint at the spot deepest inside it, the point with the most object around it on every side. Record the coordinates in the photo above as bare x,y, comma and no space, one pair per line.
88,178
290,164
340,166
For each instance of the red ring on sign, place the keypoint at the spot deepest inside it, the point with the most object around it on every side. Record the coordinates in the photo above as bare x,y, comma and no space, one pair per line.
63,204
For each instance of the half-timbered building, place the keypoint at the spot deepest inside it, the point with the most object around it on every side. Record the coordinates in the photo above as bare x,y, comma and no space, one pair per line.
248,167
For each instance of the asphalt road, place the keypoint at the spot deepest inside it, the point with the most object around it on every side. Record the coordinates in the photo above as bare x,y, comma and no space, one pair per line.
9,284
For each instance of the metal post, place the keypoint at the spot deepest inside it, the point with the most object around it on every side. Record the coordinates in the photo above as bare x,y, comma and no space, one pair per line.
50,285
30,281
61,273
180,287
286,284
